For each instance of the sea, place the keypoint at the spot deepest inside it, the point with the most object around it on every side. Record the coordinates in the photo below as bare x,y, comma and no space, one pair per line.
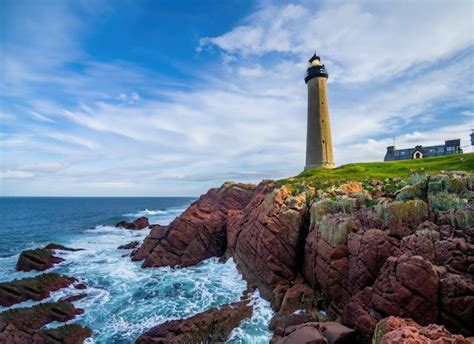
123,300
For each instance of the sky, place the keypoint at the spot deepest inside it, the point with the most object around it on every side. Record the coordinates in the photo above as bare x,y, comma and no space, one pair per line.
170,98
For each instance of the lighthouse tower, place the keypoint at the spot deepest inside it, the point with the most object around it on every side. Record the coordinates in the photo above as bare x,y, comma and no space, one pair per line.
318,137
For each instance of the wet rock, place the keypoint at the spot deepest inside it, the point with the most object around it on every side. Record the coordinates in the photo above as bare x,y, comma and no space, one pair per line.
156,234
25,325
129,246
80,286
394,330
200,232
140,223
212,326
41,259
32,288
66,334
266,240
73,298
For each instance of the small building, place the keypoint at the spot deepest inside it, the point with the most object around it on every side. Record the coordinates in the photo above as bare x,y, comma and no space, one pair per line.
419,152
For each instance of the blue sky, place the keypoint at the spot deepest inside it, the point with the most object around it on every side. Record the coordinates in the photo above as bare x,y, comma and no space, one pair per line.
169,98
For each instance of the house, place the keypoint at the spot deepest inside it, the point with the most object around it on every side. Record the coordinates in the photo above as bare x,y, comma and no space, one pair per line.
419,152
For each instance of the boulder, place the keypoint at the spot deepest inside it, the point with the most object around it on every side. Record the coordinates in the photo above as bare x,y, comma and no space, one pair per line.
266,240
41,259
129,246
326,256
25,325
140,223
457,303
368,251
32,288
157,233
407,286
394,330
315,333
212,326
200,232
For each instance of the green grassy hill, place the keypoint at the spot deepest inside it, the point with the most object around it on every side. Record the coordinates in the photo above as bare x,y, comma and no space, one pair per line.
320,177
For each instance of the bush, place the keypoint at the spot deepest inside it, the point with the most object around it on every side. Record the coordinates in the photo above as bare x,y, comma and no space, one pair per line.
334,228
445,201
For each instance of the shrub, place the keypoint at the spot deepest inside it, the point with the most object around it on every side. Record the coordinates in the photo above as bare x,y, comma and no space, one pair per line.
334,228
411,213
445,201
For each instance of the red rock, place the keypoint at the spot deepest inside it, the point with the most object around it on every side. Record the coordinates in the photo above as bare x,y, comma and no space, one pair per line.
157,233
457,303
359,314
34,288
200,232
129,246
212,326
80,286
300,334
140,223
368,251
25,325
41,259
394,330
456,254
316,332
326,265
266,241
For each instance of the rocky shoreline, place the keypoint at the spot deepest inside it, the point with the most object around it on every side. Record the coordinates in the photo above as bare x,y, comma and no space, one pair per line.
355,262
351,254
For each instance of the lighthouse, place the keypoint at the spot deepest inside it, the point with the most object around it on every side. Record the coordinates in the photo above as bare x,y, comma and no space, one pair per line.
318,136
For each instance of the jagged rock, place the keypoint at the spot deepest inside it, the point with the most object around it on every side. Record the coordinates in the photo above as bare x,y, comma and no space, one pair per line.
140,223
200,232
24,325
53,246
73,298
266,240
456,254
394,330
360,315
212,326
368,251
129,246
326,260
457,303
41,258
407,286
300,298
66,334
151,241
315,333
33,288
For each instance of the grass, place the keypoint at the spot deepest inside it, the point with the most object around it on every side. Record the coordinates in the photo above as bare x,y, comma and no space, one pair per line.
321,177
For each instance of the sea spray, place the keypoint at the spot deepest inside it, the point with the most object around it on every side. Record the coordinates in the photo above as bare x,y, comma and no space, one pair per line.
123,300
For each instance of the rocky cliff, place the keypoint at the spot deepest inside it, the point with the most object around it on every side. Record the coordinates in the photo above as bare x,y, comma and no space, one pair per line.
347,251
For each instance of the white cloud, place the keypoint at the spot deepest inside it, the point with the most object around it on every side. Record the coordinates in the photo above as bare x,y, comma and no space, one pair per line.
16,174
